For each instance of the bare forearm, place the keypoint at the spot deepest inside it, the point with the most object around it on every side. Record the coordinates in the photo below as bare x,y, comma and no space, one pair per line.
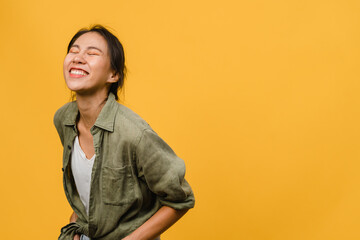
73,217
164,218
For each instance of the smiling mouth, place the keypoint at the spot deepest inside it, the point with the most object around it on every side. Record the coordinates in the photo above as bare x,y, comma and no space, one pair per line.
78,73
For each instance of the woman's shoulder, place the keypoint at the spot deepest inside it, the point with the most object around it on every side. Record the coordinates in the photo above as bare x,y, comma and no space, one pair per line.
61,116
126,117
64,110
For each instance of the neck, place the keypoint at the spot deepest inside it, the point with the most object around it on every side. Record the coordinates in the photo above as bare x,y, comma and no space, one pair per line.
90,108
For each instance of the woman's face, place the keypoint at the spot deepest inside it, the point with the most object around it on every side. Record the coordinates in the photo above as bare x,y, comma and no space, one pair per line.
87,68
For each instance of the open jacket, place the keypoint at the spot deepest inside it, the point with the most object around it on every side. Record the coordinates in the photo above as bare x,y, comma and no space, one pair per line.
135,173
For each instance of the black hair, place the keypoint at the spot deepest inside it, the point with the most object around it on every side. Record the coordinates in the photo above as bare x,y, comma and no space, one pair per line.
116,53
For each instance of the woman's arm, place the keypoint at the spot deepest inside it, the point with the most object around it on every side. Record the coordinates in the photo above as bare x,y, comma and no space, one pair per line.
164,218
73,218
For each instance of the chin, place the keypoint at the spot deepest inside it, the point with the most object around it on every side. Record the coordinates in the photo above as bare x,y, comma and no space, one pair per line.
74,87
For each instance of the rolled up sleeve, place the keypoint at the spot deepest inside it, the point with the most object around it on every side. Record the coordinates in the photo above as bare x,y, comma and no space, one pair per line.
163,171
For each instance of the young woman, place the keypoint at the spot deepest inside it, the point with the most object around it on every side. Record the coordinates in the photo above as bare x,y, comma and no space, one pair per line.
120,178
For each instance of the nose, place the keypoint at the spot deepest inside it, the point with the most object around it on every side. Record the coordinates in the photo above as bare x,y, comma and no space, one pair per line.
78,59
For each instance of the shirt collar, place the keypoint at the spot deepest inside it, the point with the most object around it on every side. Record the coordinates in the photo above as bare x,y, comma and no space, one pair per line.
105,120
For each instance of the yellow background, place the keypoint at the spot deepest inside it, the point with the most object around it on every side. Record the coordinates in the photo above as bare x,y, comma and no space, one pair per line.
260,98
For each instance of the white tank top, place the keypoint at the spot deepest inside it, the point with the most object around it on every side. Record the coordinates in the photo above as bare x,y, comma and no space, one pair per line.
81,170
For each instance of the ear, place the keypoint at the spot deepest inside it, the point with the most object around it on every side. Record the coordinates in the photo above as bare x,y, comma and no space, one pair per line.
114,77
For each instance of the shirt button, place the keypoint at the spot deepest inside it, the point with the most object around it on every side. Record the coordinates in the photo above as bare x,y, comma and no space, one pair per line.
69,147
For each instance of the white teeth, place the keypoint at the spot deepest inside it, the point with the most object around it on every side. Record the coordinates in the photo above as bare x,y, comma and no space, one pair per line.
78,72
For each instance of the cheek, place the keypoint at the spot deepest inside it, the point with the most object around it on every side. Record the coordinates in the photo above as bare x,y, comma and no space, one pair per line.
65,64
99,67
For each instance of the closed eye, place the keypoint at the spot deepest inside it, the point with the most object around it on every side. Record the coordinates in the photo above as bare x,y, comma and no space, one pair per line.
74,49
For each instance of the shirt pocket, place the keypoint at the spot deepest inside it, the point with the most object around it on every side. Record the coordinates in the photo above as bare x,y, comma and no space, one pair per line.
117,185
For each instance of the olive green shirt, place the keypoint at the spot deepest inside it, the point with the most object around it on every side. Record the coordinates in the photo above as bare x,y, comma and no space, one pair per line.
135,173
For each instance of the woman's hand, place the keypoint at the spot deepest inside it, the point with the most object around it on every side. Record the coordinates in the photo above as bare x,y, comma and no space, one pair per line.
77,237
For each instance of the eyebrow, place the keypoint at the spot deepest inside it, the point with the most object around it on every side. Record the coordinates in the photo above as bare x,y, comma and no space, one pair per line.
90,47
